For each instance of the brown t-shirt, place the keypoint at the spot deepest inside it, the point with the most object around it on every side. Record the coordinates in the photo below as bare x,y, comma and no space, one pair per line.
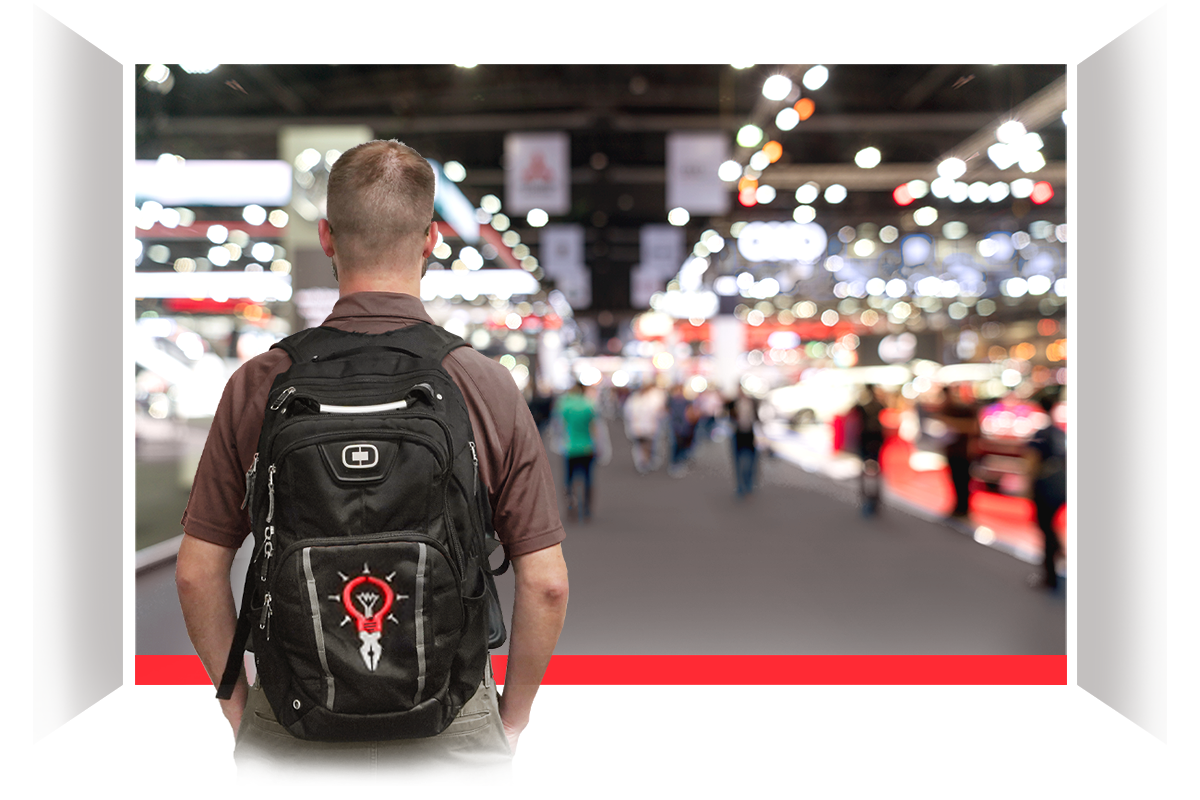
512,460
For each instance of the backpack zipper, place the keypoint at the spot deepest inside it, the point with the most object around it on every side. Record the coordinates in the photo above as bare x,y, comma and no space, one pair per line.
264,622
250,480
386,536
475,474
270,493
268,548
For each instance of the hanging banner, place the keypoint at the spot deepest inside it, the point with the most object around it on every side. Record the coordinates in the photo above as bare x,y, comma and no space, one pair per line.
662,249
643,283
693,159
561,248
576,286
537,172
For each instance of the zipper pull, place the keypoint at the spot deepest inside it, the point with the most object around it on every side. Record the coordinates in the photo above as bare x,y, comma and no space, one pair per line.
268,548
250,479
270,493
283,396
475,475
264,622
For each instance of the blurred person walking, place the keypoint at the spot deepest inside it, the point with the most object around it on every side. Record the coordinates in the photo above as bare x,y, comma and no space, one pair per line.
378,234
743,415
683,416
578,418
708,406
1046,457
643,415
961,417
870,443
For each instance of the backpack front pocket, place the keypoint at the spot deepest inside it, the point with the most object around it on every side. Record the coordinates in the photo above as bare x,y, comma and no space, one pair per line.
367,624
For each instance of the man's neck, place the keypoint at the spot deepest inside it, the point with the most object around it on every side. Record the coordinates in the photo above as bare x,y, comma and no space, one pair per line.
399,281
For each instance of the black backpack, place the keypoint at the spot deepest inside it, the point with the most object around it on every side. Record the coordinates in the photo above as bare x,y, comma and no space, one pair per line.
370,597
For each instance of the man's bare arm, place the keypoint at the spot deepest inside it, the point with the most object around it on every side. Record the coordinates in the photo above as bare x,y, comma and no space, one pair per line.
206,597
539,607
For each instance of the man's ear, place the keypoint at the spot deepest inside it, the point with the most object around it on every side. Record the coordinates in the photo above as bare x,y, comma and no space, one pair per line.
325,234
431,240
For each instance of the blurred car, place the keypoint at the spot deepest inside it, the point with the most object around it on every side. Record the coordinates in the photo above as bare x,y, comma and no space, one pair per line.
823,394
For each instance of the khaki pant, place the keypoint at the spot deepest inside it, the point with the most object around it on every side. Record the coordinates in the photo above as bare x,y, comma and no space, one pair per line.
474,744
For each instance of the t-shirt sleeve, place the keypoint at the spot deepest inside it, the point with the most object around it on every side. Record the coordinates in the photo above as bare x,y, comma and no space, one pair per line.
214,510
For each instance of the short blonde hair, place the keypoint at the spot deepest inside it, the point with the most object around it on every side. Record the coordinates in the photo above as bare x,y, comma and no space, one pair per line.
380,201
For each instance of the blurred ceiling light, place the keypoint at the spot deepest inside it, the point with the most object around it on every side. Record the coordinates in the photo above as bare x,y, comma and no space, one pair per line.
876,287
186,216
1010,132
815,77
835,194
787,118
185,265
955,230
235,251
808,193
501,222
1020,240
331,157
868,157
170,218
987,247
1014,287
489,203
729,171
454,171
678,217
254,214
846,234
998,191
701,250
1021,188
834,263
1039,284
159,253
978,192
805,107
760,161
917,188
1066,116
1060,287
764,194
471,257
521,251
282,266
773,151
1042,192
1003,155
218,255
952,168
741,65
749,135
262,251
467,66
829,317
1060,232
157,73
888,234
307,159
896,287
217,234
927,215
735,230
443,250
511,238
1032,162
959,192
482,217
198,69
712,240
941,187
750,173
777,87
804,214
537,217
864,248
1029,143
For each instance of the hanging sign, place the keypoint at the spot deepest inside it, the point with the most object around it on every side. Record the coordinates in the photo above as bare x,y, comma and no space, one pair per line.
537,172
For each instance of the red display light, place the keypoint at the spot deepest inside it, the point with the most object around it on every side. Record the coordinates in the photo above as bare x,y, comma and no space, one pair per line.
1042,192
747,197
902,195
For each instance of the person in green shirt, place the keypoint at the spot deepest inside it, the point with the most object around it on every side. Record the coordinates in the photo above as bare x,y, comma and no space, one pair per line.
577,415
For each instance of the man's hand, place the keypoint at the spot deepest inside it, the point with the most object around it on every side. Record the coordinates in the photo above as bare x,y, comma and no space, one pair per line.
539,607
206,597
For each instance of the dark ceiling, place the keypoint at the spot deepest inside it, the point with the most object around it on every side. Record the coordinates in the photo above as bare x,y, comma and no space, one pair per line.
618,117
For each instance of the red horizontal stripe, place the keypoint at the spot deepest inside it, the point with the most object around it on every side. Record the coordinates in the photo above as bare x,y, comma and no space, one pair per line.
702,670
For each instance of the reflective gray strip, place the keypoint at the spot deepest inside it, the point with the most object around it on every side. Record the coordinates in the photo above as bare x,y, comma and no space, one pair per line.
317,630
420,623
396,406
